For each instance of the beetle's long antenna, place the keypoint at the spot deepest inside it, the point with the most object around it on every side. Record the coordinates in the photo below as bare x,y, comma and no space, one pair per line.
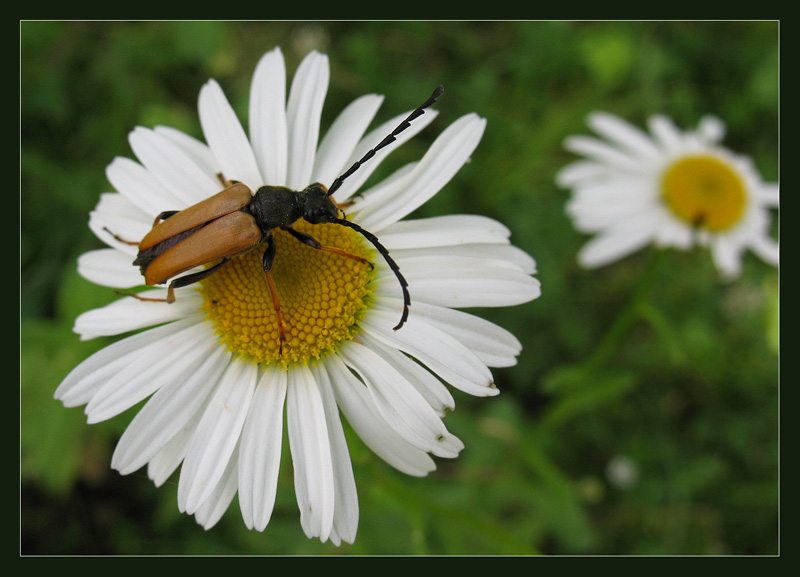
389,139
389,260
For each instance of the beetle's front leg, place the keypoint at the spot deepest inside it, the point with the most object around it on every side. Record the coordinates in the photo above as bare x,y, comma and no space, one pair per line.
269,258
314,243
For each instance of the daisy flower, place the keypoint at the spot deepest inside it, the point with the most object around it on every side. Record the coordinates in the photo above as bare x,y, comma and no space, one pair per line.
217,380
669,188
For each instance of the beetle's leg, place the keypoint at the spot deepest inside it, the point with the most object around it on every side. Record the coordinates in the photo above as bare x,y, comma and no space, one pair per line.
192,278
389,260
269,258
164,216
342,205
178,283
120,239
314,243
224,181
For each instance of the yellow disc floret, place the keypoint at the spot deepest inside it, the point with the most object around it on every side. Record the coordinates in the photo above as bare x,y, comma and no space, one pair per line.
704,191
321,296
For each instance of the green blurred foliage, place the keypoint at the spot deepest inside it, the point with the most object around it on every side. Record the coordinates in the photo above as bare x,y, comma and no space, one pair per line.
638,421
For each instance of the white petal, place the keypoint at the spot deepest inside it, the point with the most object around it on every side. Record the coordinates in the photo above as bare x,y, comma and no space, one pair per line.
81,384
711,129
116,205
169,457
440,352
172,167
268,130
441,162
615,244
129,314
220,498
727,258
674,233
767,249
435,393
303,113
140,187
625,135
115,218
770,195
109,267
481,255
260,449
226,137
387,188
198,151
362,414
172,358
353,183
311,455
345,512
602,152
403,407
454,229
580,172
666,133
169,410
462,282
493,345
216,436
604,205
342,137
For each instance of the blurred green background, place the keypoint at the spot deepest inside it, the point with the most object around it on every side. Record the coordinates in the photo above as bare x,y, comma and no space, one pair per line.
642,417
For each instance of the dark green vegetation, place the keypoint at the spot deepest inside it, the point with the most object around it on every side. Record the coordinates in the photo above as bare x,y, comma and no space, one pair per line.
685,387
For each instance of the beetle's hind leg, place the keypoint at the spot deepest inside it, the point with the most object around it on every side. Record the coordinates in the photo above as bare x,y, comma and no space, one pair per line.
269,258
162,216
178,283
226,182
309,240
120,239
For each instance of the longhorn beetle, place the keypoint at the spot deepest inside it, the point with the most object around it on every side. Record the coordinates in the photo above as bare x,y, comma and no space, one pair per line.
234,221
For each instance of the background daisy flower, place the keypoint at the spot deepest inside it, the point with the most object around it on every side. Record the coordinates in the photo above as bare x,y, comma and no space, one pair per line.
669,188
211,363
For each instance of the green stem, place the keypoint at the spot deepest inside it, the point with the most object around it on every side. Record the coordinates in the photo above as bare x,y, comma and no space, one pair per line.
628,316
583,385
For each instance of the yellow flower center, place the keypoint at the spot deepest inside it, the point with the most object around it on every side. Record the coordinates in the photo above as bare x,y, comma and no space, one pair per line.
321,296
704,191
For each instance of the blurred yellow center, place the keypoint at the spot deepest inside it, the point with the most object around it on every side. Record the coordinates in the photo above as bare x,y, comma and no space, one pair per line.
704,191
321,295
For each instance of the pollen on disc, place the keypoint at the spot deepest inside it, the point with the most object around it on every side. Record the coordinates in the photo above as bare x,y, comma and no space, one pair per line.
321,296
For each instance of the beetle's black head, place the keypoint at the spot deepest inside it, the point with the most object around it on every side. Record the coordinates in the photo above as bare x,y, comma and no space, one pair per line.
317,205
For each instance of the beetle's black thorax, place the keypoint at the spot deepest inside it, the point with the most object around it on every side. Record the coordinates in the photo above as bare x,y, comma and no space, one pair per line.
275,207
